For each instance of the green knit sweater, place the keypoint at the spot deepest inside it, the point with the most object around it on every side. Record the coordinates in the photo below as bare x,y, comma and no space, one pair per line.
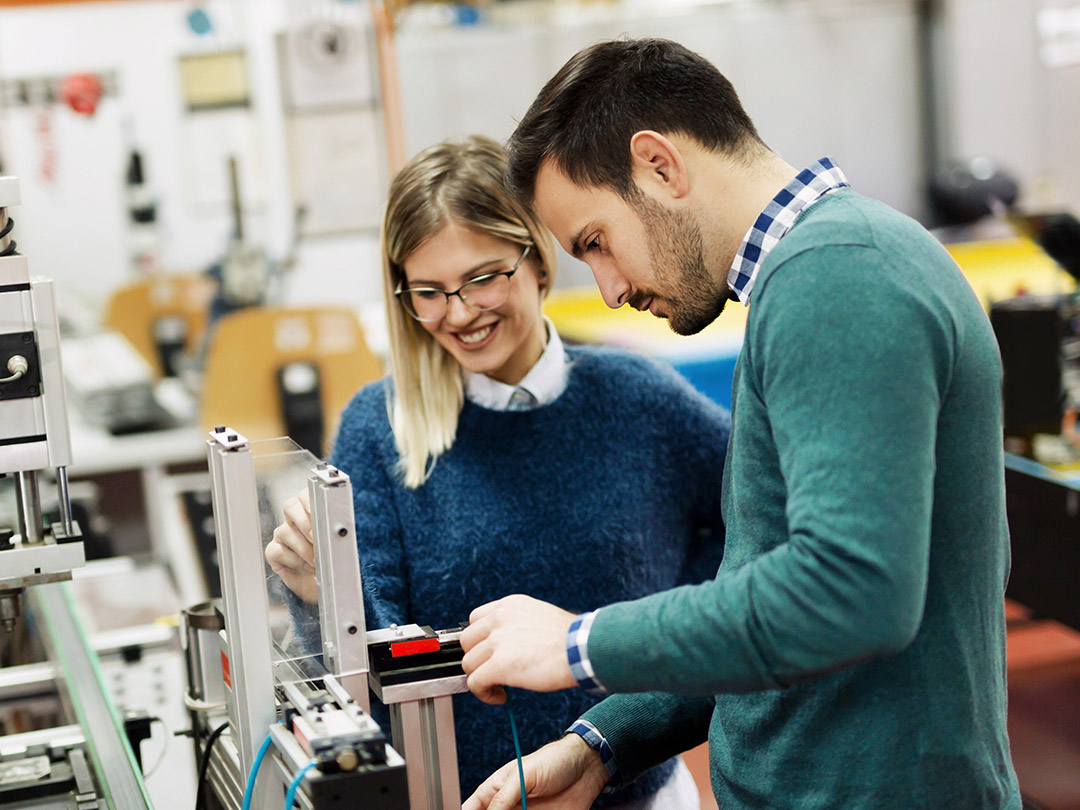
851,651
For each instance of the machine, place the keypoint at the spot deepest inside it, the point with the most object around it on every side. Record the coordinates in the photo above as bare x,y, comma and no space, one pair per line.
1039,337
33,424
64,766
279,689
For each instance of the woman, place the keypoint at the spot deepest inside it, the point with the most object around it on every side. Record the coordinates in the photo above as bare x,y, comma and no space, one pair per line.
496,461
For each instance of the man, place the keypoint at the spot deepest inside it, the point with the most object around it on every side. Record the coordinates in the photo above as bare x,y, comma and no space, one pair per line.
850,652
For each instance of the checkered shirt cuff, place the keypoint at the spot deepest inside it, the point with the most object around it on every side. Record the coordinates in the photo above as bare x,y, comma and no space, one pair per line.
577,640
595,740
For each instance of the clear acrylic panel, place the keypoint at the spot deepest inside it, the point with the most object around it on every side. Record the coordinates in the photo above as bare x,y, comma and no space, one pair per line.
282,470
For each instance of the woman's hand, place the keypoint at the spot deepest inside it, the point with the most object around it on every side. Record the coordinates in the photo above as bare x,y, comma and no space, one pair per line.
291,553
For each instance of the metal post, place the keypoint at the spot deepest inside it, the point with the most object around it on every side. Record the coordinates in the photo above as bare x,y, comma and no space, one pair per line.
935,144
247,663
28,498
341,601
423,731
64,495
5,238
437,719
405,735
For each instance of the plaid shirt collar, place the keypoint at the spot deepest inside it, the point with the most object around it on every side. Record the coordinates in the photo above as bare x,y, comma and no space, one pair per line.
814,182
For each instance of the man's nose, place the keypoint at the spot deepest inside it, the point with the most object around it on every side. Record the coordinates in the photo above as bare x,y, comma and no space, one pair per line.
614,289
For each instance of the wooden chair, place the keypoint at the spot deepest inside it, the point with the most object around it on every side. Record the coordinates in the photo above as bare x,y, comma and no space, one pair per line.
249,350
162,314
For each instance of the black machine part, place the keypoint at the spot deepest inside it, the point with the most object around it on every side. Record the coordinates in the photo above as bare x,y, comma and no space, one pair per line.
170,337
300,394
965,192
348,748
28,384
1039,338
55,779
437,655
1044,532
382,789
1056,233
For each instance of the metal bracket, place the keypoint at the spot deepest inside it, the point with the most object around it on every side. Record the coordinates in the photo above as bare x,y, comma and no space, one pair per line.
21,344
228,439
337,568
330,475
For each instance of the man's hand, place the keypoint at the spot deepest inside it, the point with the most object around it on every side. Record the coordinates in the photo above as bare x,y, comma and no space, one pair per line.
566,774
291,553
516,641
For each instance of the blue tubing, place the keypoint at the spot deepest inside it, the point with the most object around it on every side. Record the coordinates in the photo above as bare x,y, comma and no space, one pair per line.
294,786
517,749
249,791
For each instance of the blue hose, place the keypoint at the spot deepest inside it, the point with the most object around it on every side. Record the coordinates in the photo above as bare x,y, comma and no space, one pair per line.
517,749
294,786
249,791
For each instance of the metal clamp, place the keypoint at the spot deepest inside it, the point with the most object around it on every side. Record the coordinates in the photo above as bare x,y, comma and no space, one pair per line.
228,439
331,475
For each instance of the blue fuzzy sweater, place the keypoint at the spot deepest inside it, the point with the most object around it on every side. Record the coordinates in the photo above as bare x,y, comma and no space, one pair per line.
608,493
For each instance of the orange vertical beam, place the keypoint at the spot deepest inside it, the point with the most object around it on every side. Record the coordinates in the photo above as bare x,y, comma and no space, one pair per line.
393,119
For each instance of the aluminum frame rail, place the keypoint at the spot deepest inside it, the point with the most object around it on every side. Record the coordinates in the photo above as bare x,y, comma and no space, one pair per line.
84,694
246,660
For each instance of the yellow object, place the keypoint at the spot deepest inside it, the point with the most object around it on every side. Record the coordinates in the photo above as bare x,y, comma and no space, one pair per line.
134,310
1003,268
217,79
996,269
250,346
580,314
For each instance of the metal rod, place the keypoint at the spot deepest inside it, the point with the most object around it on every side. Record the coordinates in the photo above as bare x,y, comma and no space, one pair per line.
237,203
65,500
10,609
27,681
5,240
933,91
28,498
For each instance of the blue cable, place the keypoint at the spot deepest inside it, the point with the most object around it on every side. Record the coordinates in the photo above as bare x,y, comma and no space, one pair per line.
290,797
249,791
517,749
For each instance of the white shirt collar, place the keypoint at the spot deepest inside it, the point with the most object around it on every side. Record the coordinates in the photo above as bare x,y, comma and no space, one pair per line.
544,382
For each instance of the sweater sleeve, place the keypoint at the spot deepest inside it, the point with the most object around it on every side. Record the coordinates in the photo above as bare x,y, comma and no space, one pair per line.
702,429
851,383
364,450
647,729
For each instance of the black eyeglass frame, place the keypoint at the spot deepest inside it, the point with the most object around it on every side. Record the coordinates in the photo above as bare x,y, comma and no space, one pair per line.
485,277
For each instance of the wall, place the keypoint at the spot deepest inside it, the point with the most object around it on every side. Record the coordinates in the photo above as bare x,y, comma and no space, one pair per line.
792,63
820,77
74,228
1007,99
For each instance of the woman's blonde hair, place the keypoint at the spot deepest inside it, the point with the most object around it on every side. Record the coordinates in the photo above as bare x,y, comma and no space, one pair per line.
459,182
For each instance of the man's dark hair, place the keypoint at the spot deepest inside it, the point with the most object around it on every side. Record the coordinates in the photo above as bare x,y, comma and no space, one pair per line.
585,116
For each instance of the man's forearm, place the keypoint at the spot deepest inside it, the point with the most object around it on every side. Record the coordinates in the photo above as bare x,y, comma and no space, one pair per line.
643,730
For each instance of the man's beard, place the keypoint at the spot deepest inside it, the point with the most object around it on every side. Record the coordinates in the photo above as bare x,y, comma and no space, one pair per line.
676,252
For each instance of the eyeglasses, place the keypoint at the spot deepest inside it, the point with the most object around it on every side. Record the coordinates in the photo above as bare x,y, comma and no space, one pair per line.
482,293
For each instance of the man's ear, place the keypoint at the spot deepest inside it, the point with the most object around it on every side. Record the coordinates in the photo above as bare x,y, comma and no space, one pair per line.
657,164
